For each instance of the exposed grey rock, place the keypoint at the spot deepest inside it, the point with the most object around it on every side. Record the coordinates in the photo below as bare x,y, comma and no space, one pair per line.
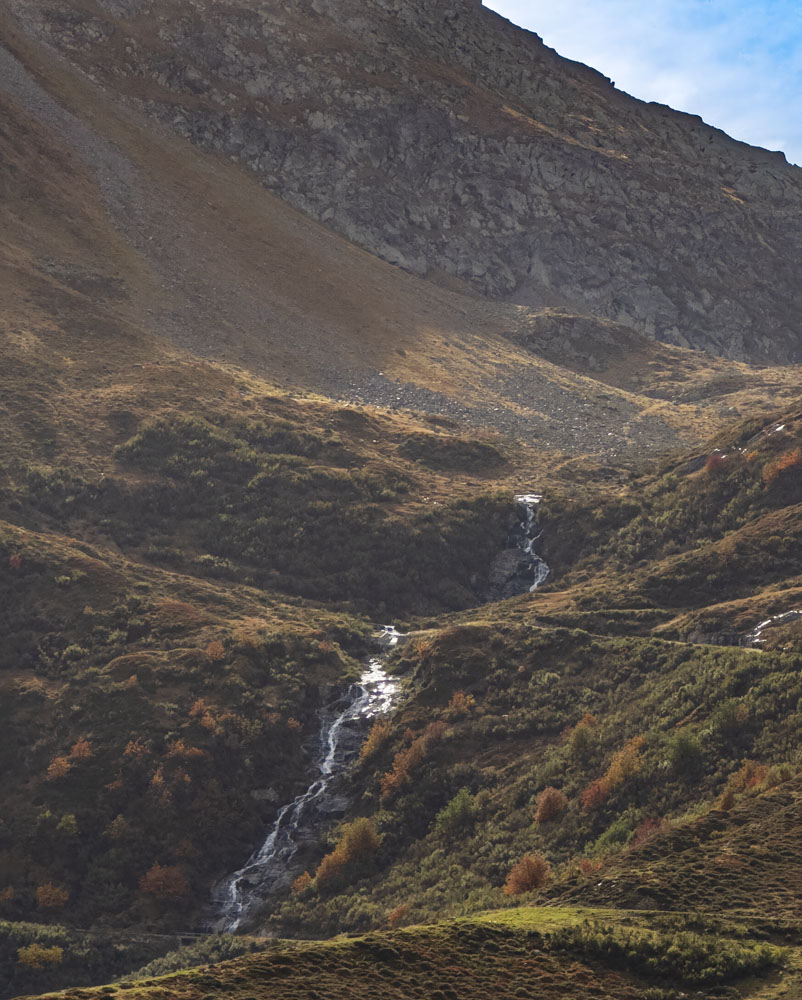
441,138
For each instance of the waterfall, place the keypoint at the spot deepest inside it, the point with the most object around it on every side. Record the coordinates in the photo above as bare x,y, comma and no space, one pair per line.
756,637
518,568
529,503
343,724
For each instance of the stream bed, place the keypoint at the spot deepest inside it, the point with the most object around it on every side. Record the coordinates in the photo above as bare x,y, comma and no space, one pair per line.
344,723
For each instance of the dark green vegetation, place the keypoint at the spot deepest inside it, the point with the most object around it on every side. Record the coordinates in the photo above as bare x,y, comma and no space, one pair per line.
271,504
34,958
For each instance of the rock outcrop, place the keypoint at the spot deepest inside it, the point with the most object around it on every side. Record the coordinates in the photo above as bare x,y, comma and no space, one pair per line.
445,140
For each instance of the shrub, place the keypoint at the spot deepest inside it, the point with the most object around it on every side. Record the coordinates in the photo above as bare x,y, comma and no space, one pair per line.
647,829
117,828
68,825
376,738
626,763
461,704
164,882
35,956
358,841
215,651
15,561
684,750
458,816
51,897
580,736
530,873
408,758
398,915
82,750
59,767
787,465
551,803
715,463
330,870
301,884
595,794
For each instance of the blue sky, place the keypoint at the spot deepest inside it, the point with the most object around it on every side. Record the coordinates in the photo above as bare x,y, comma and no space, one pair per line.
737,63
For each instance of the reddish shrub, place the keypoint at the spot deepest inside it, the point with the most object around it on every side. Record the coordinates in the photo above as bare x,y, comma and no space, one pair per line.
51,897
358,840
626,763
136,749
787,465
588,867
330,869
301,884
215,651
376,738
82,750
397,916
530,873
551,803
647,829
595,794
15,561
165,882
460,704
715,463
59,767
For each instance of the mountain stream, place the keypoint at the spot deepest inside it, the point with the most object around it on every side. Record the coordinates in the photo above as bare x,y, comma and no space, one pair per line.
342,729
343,725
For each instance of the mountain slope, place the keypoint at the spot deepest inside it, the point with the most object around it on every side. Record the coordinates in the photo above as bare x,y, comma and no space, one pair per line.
457,146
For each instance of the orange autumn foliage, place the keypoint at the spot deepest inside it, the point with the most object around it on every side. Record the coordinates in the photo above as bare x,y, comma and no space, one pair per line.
59,767
551,803
301,884
409,757
398,915
82,750
215,651
595,794
530,873
790,462
164,882
51,897
376,738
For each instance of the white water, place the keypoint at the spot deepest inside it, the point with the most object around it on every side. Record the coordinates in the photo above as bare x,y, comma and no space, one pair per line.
757,637
239,896
530,502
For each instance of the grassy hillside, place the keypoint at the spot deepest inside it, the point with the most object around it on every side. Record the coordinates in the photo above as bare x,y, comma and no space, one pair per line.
580,953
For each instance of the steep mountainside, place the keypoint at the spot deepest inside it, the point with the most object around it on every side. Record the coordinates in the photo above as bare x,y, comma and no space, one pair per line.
235,437
445,140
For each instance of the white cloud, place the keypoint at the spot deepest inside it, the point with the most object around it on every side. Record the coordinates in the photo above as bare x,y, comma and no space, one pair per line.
737,63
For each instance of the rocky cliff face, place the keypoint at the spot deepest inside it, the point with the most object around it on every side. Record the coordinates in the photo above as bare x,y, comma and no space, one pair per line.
446,141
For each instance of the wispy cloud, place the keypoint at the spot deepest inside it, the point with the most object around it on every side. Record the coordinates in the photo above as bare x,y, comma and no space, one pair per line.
737,63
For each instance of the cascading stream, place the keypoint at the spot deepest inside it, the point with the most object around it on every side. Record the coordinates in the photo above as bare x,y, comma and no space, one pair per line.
238,898
756,637
529,536
343,724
